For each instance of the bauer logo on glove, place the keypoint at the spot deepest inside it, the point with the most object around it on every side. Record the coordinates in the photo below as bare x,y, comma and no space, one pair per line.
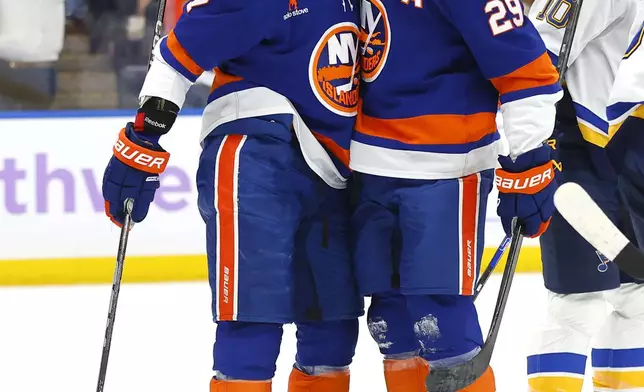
526,188
133,172
139,157
529,182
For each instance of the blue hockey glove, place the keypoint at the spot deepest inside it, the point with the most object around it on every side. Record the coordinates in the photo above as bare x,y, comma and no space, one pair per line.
526,190
133,172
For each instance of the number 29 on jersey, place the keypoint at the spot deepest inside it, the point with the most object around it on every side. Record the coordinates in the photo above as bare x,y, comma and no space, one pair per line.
504,15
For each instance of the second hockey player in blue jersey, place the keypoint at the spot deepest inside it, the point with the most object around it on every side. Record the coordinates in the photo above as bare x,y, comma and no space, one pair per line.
424,151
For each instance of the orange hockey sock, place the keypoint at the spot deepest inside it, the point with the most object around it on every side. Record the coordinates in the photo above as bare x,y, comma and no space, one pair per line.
239,386
329,382
485,383
406,375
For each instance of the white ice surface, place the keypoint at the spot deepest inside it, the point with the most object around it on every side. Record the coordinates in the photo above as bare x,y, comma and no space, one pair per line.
51,339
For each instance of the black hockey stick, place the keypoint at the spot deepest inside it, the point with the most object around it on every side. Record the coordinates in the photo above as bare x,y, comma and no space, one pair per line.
585,216
116,287
491,267
158,30
461,376
125,230
568,38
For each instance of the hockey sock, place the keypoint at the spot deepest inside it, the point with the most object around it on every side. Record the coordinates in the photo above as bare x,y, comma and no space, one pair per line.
246,351
390,325
485,383
325,350
406,375
618,359
327,382
239,386
559,360
326,346
446,327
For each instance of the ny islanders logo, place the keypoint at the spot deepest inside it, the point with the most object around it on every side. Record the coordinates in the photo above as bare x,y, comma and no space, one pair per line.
375,38
334,69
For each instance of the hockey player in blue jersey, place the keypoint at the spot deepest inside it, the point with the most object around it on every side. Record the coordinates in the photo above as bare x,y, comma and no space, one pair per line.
271,178
424,151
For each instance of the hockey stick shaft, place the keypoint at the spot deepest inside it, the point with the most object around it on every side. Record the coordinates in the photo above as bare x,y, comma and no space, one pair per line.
492,266
125,230
116,288
568,38
158,30
461,376
506,284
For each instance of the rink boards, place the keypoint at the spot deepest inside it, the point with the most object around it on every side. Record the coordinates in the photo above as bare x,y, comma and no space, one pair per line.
53,228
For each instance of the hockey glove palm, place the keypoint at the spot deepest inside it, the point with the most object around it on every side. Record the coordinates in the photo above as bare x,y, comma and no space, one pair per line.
526,190
133,172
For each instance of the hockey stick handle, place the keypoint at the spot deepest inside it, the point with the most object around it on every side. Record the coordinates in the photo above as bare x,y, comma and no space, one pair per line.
491,266
116,288
158,30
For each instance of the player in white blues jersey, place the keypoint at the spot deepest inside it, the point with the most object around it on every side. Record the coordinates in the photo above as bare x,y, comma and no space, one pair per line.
580,281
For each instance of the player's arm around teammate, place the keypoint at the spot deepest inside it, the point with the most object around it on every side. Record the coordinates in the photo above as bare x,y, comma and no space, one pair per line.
271,179
424,151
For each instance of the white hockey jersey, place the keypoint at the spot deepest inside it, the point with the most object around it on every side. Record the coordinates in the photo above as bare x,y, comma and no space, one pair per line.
627,95
600,42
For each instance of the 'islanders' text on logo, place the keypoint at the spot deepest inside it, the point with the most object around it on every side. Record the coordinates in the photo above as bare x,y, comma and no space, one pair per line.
334,69
375,38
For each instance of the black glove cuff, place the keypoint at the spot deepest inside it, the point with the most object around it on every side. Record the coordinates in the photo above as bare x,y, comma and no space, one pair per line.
156,117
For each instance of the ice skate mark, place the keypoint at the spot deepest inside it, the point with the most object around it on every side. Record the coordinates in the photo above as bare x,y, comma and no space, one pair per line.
378,329
426,350
427,327
427,331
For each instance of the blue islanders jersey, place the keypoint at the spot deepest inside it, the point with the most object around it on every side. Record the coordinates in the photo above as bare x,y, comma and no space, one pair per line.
435,73
270,56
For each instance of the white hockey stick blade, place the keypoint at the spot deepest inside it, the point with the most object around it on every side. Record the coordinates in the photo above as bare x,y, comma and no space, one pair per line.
585,216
